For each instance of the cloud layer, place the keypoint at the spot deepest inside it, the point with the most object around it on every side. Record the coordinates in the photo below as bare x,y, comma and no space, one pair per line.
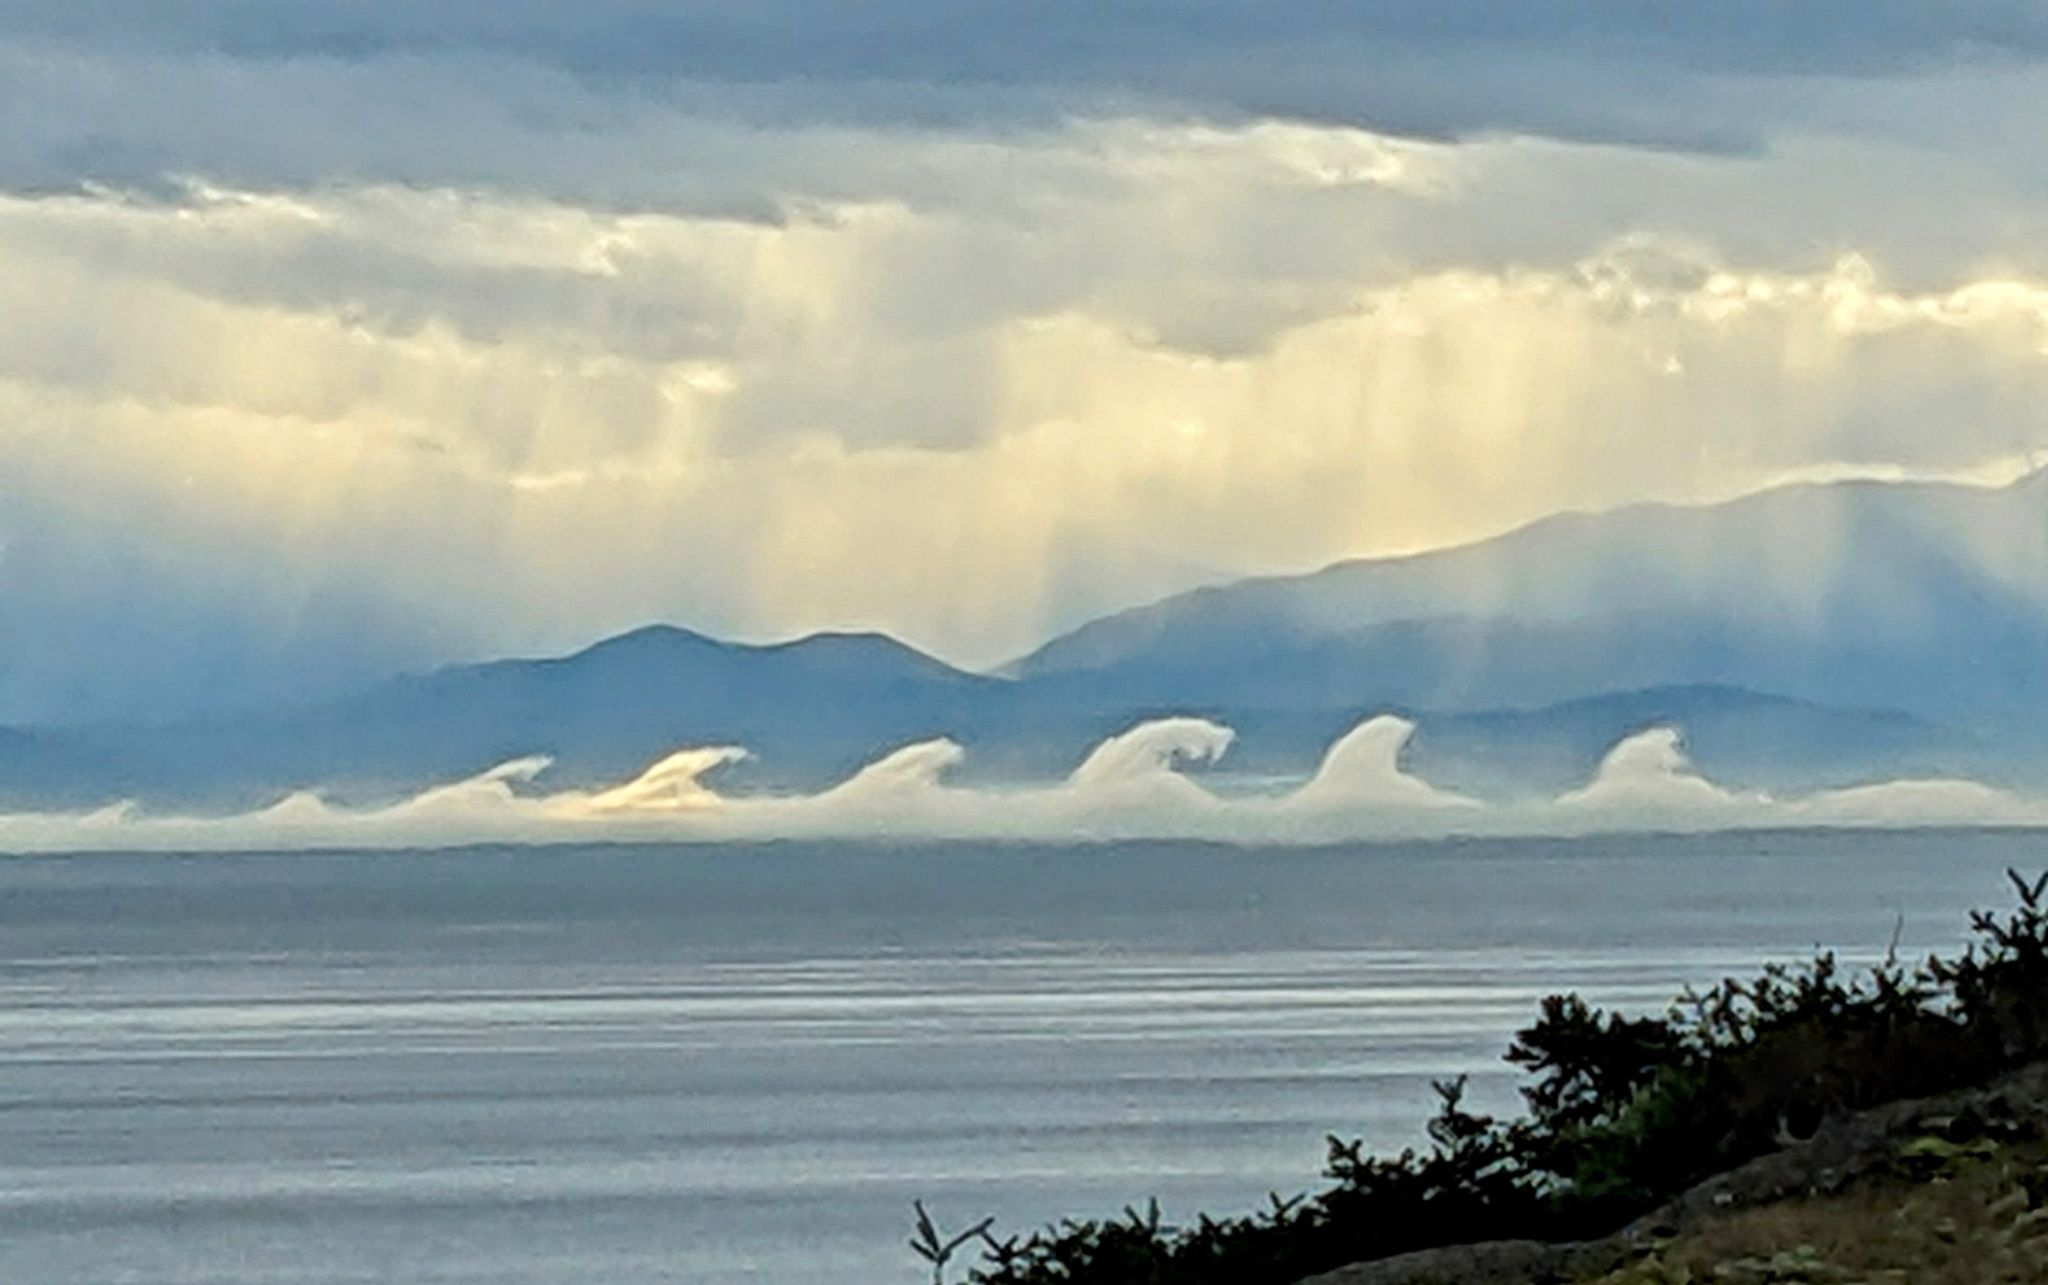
1663,73
470,427
1131,787
342,338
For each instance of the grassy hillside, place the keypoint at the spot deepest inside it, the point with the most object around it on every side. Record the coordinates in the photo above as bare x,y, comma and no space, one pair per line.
1942,1210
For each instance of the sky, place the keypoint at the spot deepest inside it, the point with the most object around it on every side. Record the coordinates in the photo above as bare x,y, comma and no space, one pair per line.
340,338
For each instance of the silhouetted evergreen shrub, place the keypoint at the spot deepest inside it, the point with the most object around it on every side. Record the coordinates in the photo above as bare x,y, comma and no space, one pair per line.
1623,1114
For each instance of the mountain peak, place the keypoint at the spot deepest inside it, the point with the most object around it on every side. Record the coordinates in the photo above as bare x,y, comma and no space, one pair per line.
829,648
646,637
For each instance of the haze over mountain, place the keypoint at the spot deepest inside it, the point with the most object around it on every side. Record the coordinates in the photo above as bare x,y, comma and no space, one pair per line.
1812,635
1931,598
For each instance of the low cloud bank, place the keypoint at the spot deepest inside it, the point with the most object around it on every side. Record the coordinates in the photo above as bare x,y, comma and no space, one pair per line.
1132,786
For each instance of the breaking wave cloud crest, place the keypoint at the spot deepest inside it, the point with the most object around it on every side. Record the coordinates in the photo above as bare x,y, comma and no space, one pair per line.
1132,786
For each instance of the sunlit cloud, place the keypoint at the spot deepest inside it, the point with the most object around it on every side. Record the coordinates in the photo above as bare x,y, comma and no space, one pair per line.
1133,786
768,428
460,329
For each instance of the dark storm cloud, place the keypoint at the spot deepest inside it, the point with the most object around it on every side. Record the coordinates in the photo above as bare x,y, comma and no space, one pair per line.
1051,41
1621,70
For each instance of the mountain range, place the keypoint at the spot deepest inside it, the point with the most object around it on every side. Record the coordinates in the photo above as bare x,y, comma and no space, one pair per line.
1810,635
1930,598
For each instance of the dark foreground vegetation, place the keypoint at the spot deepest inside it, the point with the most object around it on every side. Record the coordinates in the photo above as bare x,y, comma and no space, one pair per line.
1623,1114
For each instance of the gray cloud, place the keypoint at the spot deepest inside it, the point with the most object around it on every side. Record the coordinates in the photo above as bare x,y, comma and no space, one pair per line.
129,76
1059,42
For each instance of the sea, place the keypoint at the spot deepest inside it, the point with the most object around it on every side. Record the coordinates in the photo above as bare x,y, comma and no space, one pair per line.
539,1066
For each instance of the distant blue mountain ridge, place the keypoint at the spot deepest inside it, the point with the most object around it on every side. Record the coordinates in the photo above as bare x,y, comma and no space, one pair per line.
1812,635
1930,598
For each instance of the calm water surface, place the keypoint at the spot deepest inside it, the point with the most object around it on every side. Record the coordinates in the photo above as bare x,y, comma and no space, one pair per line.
628,1065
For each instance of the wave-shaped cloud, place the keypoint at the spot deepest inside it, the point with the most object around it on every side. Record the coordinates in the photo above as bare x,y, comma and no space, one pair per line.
1651,774
1363,771
1131,786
